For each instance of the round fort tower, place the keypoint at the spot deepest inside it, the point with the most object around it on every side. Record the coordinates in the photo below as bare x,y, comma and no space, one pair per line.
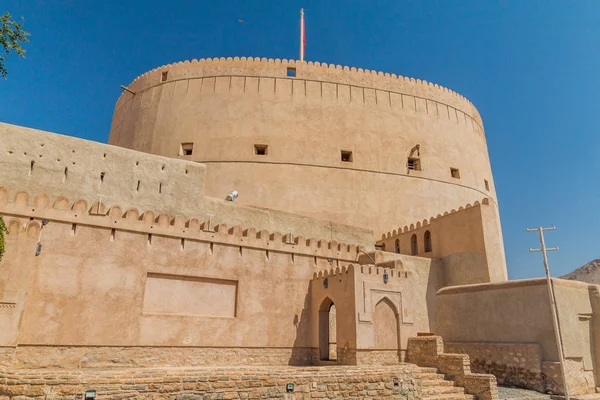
348,145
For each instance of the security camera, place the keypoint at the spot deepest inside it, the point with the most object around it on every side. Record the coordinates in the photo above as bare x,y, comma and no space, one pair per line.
232,196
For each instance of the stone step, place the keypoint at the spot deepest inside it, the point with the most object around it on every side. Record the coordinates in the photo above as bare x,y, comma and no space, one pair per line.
430,375
436,382
452,396
439,390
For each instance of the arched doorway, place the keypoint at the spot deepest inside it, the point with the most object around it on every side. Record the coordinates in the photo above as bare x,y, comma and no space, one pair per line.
327,331
385,325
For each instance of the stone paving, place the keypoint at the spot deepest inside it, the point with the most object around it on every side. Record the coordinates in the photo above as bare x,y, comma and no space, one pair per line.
520,394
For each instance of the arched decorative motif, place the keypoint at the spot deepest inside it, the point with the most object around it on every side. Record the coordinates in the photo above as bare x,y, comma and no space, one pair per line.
427,242
386,325
398,246
414,246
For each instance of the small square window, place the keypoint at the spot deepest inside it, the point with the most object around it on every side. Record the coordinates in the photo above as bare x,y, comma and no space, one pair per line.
455,173
186,149
291,72
487,184
414,164
164,76
346,156
261,149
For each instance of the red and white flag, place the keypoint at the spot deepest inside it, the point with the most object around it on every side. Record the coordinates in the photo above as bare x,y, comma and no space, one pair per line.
302,35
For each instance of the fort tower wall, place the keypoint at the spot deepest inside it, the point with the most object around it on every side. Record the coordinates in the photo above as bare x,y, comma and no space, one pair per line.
224,107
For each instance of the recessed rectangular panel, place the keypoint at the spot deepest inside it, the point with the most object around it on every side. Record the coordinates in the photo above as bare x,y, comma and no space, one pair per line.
189,295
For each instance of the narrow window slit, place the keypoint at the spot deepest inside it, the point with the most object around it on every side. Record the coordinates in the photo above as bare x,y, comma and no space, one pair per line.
182,243
149,239
112,235
31,167
102,176
137,189
73,229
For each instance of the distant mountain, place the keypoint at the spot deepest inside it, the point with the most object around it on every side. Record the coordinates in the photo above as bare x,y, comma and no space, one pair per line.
589,273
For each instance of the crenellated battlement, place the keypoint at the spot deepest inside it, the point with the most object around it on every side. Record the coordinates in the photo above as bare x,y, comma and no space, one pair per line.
425,222
101,215
315,71
351,269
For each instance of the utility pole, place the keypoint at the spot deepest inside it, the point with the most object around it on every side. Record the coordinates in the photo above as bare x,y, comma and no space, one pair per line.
553,308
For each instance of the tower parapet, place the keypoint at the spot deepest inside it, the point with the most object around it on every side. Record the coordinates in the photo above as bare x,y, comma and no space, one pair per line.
310,137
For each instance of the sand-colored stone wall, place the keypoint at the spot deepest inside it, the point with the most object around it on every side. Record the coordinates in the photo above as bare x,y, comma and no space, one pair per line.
398,382
226,107
97,270
522,316
467,240
513,364
41,162
407,288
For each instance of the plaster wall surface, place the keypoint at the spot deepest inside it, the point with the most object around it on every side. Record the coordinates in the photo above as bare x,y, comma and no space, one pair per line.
358,290
227,106
57,165
521,315
466,240
221,289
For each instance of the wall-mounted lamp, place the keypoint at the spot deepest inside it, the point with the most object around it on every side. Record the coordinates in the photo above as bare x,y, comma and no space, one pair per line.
38,248
386,277
90,395
289,387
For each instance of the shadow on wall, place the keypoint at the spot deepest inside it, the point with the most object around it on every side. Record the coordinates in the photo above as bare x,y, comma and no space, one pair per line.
434,283
302,353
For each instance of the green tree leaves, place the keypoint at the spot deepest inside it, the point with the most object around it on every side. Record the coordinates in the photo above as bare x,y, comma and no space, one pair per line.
12,36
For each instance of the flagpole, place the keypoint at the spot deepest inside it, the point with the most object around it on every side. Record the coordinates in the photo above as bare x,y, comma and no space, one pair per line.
301,34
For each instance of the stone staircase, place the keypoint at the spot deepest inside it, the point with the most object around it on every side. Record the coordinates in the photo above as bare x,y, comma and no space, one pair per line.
434,386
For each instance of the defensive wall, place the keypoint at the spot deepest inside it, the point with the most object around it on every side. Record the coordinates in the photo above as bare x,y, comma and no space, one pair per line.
352,146
506,329
173,285
57,165
377,308
466,240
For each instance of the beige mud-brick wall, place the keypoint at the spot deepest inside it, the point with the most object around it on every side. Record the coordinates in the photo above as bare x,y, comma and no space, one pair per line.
464,316
367,331
227,106
465,239
153,276
58,165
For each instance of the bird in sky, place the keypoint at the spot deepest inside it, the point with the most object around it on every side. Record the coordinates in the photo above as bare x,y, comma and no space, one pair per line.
241,21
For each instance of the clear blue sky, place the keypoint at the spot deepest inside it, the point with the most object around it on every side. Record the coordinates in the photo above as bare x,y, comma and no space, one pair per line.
532,68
